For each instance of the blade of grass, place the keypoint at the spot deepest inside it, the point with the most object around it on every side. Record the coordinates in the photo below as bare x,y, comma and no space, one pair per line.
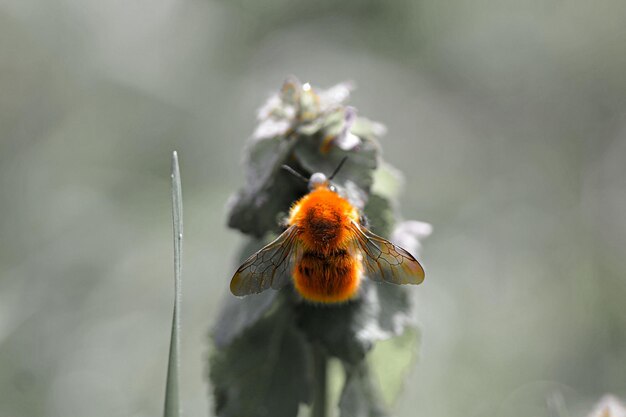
172,403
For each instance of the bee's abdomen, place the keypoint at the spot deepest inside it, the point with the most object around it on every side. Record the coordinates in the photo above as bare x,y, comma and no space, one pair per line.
328,278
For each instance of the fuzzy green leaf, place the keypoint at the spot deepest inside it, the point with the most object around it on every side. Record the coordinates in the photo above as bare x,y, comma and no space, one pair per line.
348,331
388,181
336,328
269,190
359,167
265,372
368,129
380,215
239,313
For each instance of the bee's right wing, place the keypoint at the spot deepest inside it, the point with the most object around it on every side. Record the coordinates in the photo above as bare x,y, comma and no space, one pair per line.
269,267
385,261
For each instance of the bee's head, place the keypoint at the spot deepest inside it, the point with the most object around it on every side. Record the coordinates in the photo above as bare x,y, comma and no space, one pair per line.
318,180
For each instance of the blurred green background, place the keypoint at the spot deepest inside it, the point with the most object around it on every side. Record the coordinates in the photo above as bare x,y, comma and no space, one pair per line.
508,119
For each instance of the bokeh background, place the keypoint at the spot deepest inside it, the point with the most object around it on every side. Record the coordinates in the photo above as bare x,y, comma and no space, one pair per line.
507,118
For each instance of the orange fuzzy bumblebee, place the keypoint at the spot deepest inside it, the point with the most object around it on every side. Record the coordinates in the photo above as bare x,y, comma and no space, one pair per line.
325,252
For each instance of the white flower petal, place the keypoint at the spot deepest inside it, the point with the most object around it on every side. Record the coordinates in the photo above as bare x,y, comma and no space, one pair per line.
609,406
347,142
268,107
408,234
270,128
334,95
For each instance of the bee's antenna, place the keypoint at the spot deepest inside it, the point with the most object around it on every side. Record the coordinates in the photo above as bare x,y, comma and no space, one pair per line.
345,158
294,172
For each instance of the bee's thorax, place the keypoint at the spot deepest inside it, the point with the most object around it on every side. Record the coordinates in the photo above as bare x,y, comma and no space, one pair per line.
323,218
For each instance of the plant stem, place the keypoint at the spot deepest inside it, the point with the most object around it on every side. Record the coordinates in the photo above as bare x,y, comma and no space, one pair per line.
320,382
172,403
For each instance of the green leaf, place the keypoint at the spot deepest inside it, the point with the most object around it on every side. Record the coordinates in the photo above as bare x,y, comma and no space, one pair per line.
269,190
266,371
368,129
348,331
380,215
360,397
172,403
262,158
388,181
328,124
336,328
391,361
396,312
359,167
239,313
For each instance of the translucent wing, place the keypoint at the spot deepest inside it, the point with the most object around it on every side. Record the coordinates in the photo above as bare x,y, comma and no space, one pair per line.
269,267
385,261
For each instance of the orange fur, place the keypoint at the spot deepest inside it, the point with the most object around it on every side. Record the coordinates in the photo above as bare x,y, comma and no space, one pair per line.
331,280
328,271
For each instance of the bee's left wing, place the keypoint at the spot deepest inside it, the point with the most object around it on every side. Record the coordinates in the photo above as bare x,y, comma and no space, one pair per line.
269,267
385,261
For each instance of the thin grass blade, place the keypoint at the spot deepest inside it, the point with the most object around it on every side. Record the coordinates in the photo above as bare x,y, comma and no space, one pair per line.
172,401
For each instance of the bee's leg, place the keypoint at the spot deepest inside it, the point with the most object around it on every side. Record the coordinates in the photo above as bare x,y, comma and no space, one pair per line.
364,221
283,220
